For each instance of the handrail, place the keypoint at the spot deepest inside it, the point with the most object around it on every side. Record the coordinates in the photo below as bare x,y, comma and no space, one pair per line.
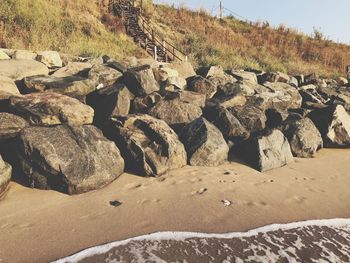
147,29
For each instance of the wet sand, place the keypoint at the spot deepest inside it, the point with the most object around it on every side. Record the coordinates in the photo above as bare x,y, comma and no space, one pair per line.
39,226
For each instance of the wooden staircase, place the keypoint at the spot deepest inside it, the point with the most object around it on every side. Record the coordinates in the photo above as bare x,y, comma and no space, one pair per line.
143,34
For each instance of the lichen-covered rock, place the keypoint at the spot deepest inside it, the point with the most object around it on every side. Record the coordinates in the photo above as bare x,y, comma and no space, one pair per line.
252,118
50,58
266,152
149,146
204,143
203,86
141,81
103,76
7,87
282,95
244,76
333,123
11,125
18,69
304,138
49,108
5,175
71,160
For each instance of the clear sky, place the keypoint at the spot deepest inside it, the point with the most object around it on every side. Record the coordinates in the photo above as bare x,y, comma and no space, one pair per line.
331,17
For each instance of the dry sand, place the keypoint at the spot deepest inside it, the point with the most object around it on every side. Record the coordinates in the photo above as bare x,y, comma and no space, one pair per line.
38,226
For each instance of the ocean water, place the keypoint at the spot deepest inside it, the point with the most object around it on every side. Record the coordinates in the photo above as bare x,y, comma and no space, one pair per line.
308,241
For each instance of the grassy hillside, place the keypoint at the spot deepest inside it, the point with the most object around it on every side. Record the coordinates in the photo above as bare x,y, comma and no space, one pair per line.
70,26
237,44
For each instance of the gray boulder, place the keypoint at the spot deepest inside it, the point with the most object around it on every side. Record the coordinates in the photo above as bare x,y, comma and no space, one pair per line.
103,76
204,143
71,160
11,125
252,117
141,81
149,146
333,123
7,88
303,136
244,75
72,69
50,58
49,108
282,96
202,85
5,175
18,69
266,152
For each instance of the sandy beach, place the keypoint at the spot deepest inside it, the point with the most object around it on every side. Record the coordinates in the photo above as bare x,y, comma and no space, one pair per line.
40,226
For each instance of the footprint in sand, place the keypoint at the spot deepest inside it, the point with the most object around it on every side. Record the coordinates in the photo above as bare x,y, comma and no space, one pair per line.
200,191
297,199
133,186
145,201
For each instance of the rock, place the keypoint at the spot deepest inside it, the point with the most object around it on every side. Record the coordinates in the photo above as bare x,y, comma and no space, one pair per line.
3,55
193,98
24,54
71,160
103,76
311,79
175,112
7,88
204,143
274,77
184,69
229,125
300,79
18,69
333,123
150,147
283,96
50,58
51,108
304,138
212,71
342,81
232,101
162,73
176,82
73,86
141,81
266,152
144,104
244,88
73,69
244,76
10,125
251,117
202,85
110,102
5,175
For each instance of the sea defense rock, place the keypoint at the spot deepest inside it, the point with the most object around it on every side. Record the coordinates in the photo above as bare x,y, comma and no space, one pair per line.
334,124
11,125
244,76
251,117
24,54
274,77
184,69
303,136
49,108
204,143
229,125
267,151
103,76
141,81
5,175
7,87
282,96
3,55
149,146
73,69
18,69
176,113
50,58
202,85
71,160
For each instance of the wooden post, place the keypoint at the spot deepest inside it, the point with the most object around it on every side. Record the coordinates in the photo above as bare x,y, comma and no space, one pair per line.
173,53
141,5
155,52
348,74
153,38
163,45
221,10
146,43
186,58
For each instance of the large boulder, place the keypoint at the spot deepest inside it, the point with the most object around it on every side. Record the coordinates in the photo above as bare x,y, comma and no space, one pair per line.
73,86
244,75
7,87
18,69
267,151
282,95
73,68
68,159
203,86
144,104
103,76
50,58
334,124
274,77
5,175
204,143
141,81
252,117
176,113
185,69
24,54
303,136
243,88
149,146
49,108
3,55
11,125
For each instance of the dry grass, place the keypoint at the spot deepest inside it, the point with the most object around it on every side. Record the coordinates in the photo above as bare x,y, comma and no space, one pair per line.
69,26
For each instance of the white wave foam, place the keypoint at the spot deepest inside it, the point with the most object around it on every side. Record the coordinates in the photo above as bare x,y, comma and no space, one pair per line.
180,236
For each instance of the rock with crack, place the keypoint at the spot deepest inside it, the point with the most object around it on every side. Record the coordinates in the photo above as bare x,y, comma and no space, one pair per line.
149,146
103,76
303,136
204,143
141,81
11,125
202,85
68,159
49,108
5,175
266,152
252,117
176,113
334,124
282,96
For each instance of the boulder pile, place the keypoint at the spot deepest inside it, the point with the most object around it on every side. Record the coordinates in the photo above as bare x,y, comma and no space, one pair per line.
75,124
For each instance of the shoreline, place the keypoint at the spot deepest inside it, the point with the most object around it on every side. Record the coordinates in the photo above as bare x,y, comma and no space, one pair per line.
185,200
